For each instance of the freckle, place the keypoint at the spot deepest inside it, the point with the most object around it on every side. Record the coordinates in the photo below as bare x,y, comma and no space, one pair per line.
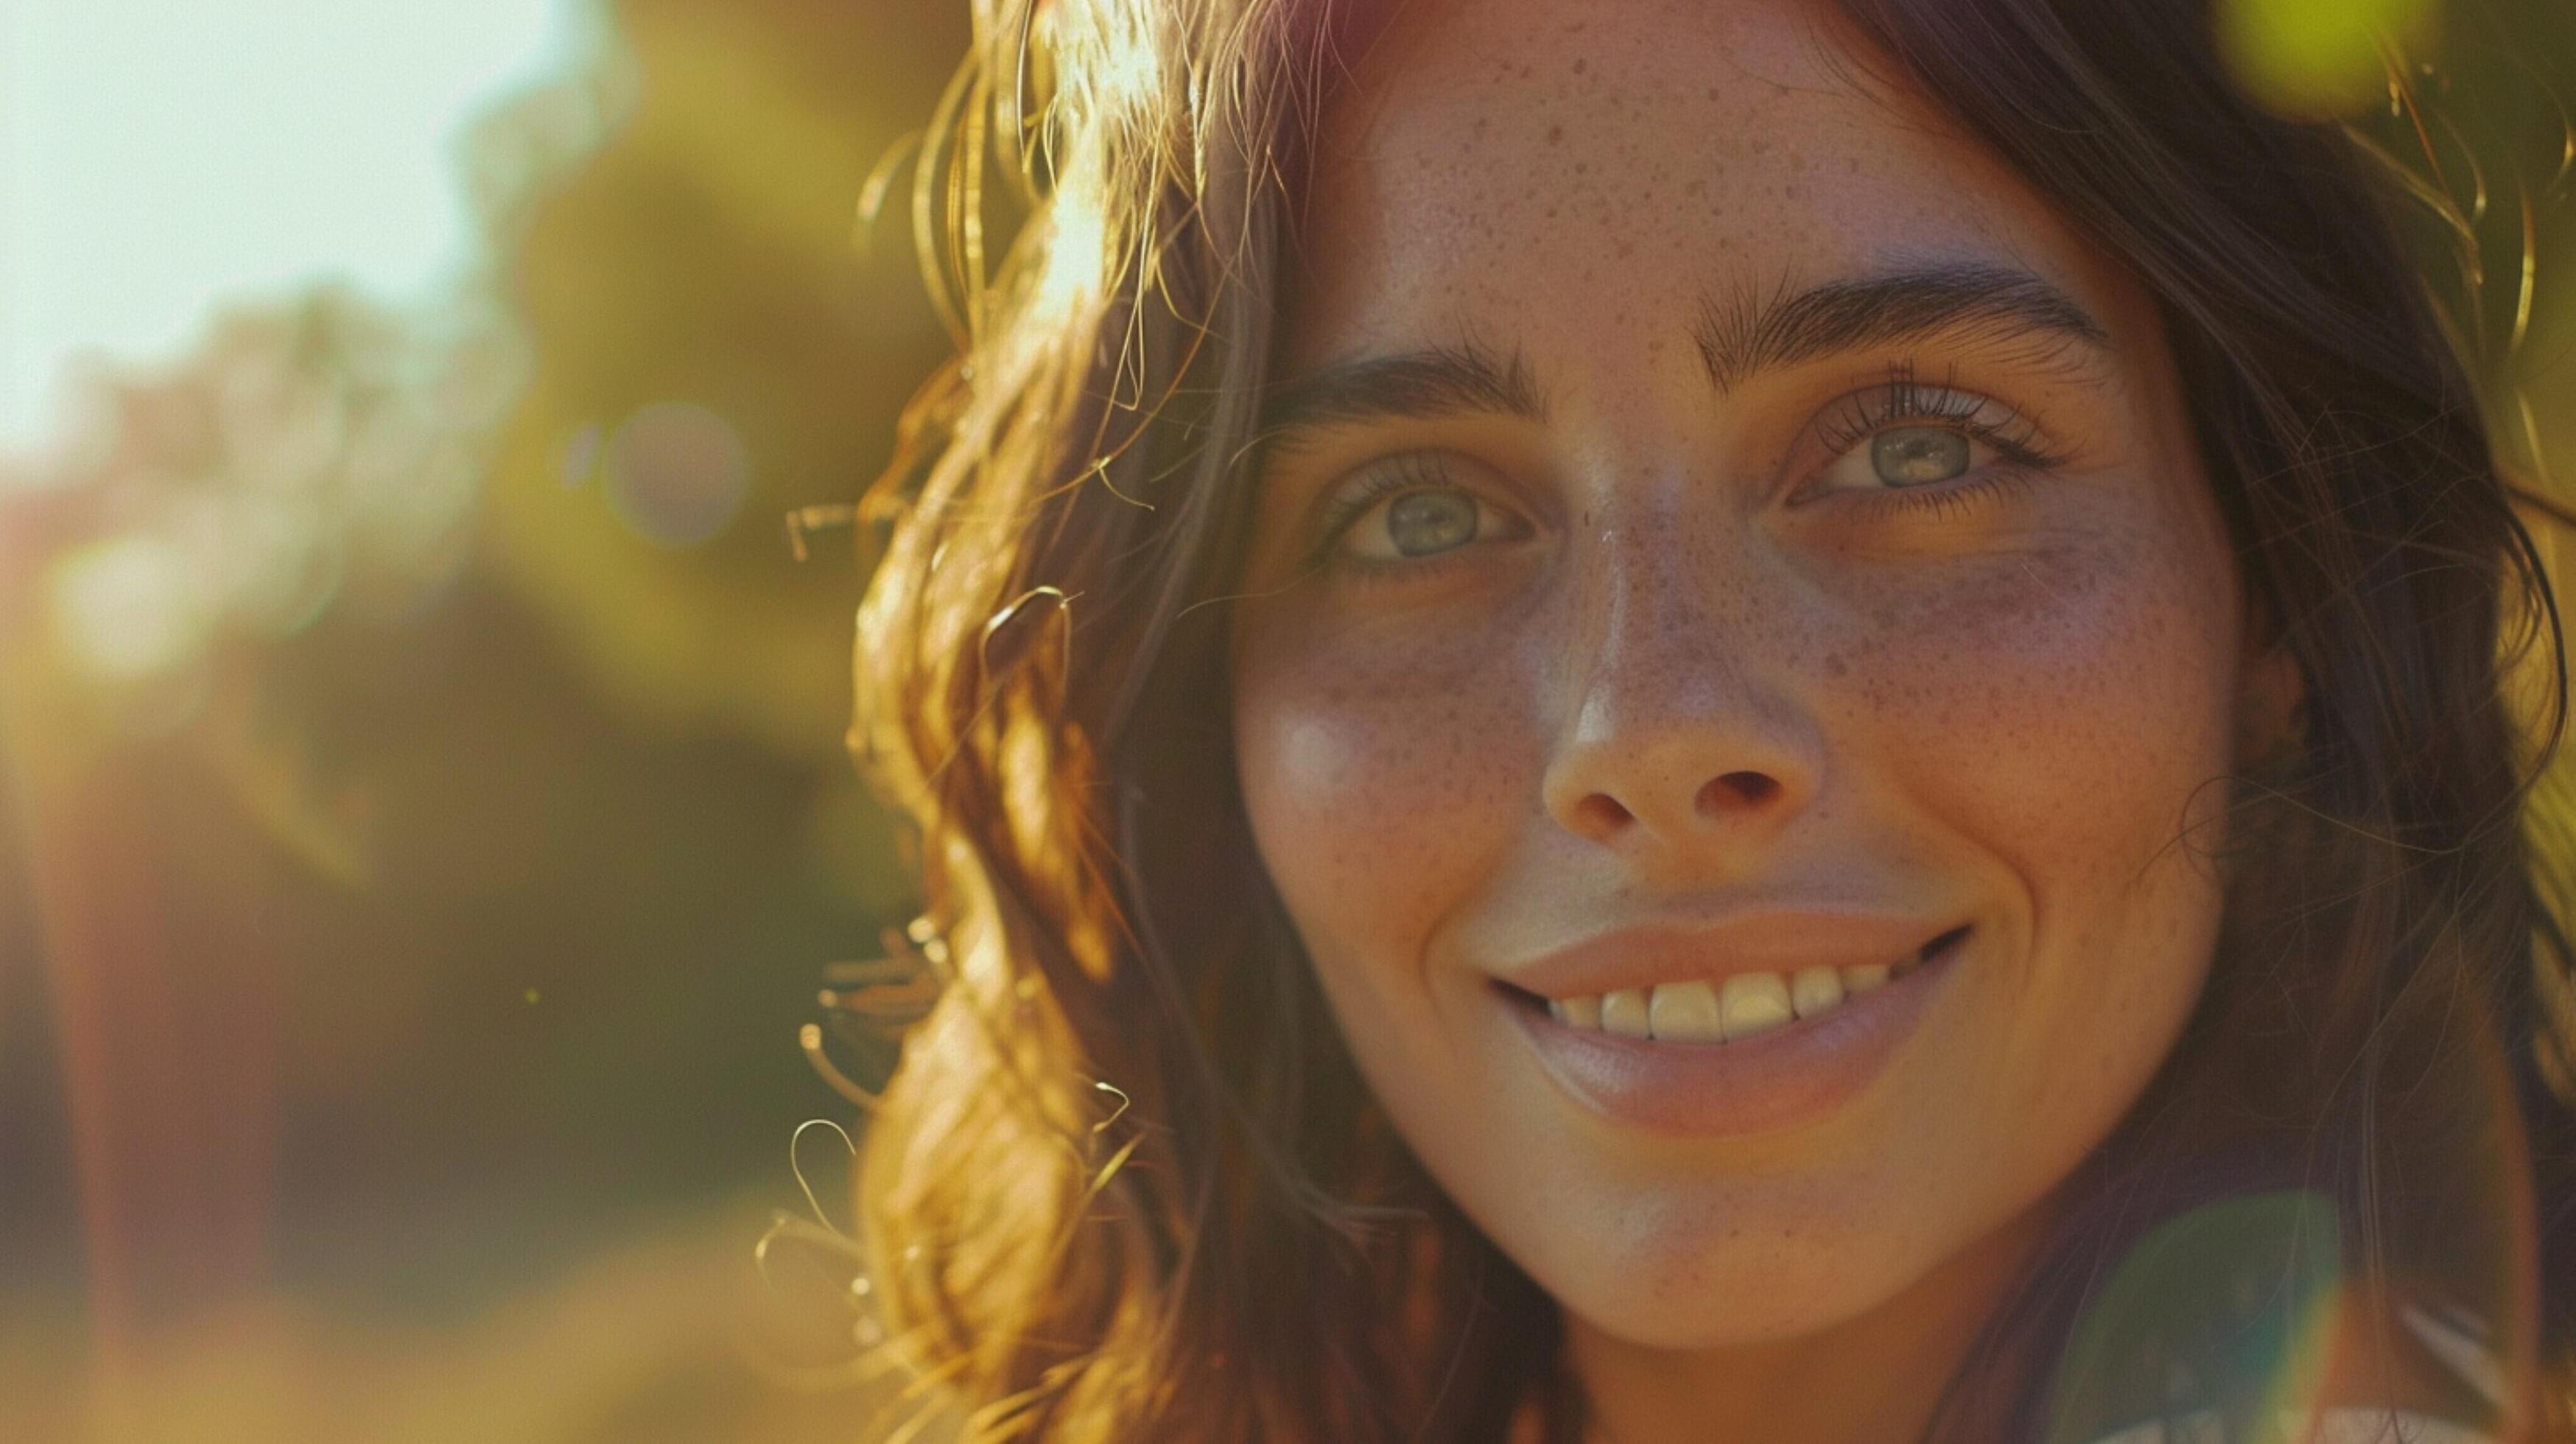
1712,92
1555,133
1581,166
1835,666
1581,66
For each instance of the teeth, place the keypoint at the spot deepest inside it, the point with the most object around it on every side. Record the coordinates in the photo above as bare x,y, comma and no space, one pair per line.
1746,1005
1686,1012
1754,1004
1815,990
1624,1013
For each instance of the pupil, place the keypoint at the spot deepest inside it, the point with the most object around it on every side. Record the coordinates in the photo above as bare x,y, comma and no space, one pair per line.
1430,521
1913,455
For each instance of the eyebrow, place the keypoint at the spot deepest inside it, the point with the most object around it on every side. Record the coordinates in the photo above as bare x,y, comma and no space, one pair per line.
1457,380
1736,336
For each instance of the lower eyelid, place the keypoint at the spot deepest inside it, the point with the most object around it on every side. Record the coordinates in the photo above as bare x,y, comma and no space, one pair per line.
1984,484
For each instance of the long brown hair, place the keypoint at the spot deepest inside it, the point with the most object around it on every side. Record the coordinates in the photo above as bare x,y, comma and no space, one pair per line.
1126,1183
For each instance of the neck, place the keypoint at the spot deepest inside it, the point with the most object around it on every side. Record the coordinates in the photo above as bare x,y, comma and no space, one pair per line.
1875,1377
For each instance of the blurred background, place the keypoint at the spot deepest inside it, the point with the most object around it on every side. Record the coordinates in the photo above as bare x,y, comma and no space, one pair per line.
424,821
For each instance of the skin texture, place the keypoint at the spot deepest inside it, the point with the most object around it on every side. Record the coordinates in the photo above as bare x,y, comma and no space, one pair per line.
1687,664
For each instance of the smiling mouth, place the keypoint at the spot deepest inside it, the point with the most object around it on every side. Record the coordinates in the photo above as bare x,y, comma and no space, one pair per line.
1732,1009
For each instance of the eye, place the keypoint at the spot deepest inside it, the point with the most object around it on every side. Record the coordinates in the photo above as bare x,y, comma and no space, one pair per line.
1410,511
1913,455
1907,437
1903,456
1421,524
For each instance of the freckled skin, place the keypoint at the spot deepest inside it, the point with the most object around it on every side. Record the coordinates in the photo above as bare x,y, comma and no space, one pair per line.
1999,714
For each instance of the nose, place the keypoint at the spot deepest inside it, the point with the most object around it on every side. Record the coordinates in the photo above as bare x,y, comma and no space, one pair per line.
1686,731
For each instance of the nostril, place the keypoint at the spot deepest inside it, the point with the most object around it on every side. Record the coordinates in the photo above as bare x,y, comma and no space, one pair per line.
1601,815
1750,788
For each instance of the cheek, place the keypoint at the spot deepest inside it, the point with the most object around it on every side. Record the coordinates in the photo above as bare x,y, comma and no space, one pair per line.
1381,776
2065,710
2062,701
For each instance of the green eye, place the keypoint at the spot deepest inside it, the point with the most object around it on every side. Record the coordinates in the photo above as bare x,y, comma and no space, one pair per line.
1420,507
1423,522
1917,455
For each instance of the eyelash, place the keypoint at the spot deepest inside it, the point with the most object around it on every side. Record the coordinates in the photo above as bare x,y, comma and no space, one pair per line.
1857,417
1901,399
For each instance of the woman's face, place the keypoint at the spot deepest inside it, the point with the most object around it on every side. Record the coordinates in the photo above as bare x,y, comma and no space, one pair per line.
1727,536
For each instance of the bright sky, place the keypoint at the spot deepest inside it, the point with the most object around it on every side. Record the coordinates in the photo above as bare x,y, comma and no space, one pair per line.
157,156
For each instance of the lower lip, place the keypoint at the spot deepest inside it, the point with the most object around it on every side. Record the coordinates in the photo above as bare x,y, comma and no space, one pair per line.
1787,1078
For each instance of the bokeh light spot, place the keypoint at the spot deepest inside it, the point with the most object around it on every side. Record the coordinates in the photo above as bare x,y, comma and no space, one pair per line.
677,473
2315,59
122,608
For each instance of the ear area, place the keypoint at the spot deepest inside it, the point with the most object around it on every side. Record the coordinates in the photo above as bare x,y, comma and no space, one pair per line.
2271,700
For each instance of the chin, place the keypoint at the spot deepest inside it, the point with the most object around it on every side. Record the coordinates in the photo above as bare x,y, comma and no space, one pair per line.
1747,1290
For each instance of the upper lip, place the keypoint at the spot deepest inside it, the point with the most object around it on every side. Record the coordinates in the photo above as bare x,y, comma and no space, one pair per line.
1773,940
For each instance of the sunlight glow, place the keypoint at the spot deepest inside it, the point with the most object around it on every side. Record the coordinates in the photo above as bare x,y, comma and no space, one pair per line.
159,159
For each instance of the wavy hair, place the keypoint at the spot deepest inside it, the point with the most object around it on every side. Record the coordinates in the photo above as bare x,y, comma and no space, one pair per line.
1125,1182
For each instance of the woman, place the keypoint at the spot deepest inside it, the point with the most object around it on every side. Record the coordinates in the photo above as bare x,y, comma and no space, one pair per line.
1705,719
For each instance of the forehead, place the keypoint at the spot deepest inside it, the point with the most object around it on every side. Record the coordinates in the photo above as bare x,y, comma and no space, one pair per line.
1581,166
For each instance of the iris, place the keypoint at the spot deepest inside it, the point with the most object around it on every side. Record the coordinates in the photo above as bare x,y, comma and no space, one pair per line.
1424,522
1914,455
